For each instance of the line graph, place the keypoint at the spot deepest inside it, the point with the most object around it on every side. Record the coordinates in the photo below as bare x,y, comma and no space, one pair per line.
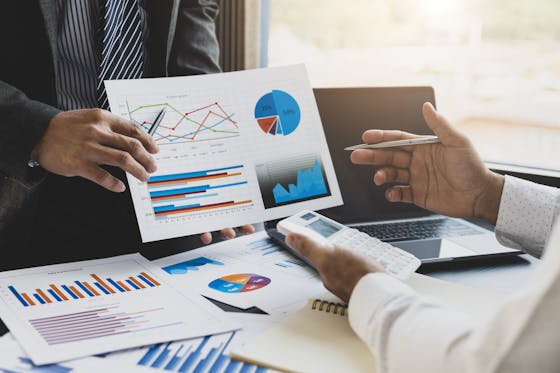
209,122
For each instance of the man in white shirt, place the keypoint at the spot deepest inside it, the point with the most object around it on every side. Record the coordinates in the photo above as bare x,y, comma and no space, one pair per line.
410,333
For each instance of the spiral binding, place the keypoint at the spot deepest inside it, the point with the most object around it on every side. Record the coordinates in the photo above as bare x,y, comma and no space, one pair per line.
326,306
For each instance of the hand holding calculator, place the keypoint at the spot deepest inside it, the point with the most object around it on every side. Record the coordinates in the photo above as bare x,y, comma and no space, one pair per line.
323,230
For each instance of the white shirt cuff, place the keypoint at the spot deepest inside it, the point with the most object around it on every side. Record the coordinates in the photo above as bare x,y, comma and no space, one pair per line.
526,214
371,294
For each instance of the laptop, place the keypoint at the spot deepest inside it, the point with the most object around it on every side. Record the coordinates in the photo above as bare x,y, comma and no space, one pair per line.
346,113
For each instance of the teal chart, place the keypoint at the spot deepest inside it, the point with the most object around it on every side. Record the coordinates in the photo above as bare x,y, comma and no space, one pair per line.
291,180
277,113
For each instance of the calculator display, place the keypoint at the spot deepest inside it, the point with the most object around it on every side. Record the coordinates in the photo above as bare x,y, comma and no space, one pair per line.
324,228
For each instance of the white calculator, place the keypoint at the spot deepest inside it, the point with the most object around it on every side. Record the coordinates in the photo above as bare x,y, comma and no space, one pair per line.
323,230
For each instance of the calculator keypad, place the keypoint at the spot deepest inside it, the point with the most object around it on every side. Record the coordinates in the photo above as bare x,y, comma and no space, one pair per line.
395,261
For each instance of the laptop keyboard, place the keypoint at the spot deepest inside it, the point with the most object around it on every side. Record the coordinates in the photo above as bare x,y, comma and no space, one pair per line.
419,229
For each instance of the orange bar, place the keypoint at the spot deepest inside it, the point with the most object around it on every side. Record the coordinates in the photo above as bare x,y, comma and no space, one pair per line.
28,299
90,288
102,283
43,295
150,278
58,292
201,208
73,288
199,178
123,286
138,283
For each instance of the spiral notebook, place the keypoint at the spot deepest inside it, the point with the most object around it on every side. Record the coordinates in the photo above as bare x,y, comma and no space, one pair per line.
318,338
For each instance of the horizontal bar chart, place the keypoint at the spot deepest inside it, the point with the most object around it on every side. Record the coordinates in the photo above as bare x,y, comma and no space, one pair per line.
95,323
204,190
84,289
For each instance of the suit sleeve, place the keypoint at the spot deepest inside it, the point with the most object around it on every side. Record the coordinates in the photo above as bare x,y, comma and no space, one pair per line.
195,46
22,124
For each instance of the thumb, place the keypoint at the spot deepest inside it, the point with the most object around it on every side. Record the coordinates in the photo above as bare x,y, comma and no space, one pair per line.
447,134
306,247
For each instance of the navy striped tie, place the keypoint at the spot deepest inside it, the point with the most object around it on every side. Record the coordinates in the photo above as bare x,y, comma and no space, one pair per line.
122,56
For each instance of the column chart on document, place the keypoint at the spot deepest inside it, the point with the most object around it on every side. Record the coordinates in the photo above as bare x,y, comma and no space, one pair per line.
234,148
65,311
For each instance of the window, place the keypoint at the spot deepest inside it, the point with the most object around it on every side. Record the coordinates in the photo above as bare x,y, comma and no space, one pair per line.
494,65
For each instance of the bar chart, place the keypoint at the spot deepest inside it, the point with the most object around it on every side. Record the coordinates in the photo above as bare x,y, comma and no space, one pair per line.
71,310
207,354
95,323
83,289
197,191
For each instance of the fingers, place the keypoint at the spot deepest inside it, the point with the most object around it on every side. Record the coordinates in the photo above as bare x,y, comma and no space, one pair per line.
132,146
314,252
227,233
100,176
129,129
391,175
375,136
394,158
121,159
247,229
206,238
447,134
399,194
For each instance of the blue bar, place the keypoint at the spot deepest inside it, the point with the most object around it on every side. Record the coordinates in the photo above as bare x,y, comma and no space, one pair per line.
101,288
228,185
194,355
145,280
260,370
39,298
84,288
54,295
149,355
69,291
133,284
204,362
233,365
189,174
246,368
19,297
171,192
217,366
161,358
115,285
173,207
176,358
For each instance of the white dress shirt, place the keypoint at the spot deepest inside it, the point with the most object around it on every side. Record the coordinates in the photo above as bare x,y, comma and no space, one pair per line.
410,333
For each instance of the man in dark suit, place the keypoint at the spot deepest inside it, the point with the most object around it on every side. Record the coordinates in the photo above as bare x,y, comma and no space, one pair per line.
59,199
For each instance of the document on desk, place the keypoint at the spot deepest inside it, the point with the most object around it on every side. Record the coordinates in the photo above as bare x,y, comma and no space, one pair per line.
15,360
66,311
248,271
235,148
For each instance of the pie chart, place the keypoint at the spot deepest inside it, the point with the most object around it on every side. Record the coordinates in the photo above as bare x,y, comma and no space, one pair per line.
277,113
239,283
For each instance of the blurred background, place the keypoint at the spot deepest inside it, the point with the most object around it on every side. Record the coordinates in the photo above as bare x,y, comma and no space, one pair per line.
494,65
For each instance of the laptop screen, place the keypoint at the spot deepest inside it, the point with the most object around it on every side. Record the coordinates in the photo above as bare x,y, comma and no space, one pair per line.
346,113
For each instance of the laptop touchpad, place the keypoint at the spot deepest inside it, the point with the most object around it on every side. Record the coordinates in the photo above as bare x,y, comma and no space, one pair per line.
434,248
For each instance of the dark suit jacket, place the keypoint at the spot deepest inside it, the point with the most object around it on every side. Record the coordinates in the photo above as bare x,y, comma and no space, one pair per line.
45,218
